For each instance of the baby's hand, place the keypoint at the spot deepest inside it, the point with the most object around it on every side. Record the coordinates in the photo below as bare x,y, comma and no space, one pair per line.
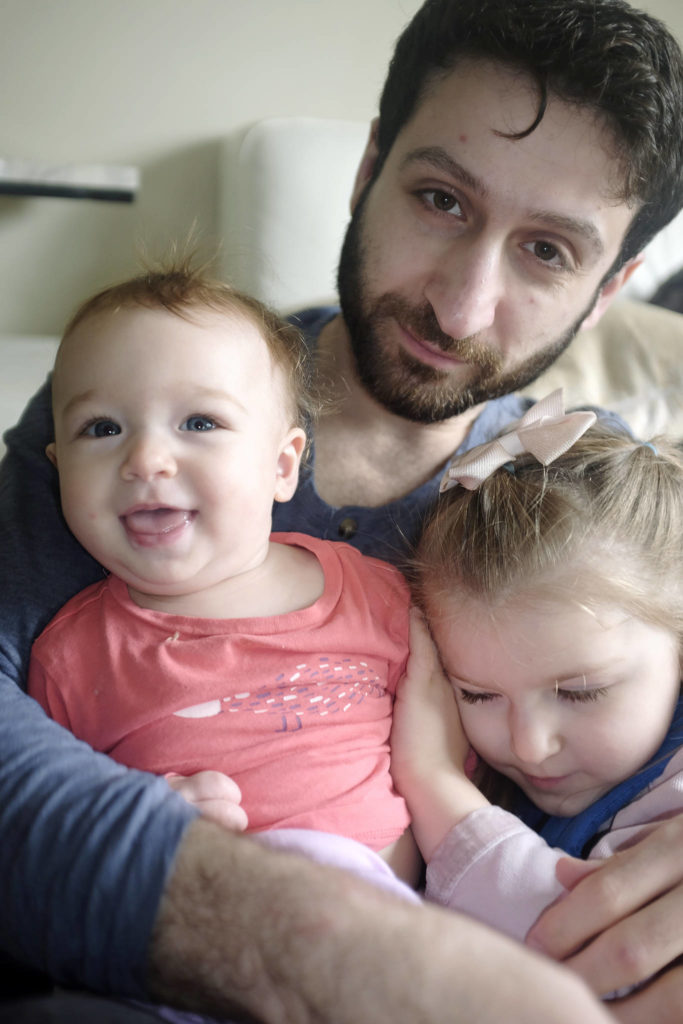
428,745
215,795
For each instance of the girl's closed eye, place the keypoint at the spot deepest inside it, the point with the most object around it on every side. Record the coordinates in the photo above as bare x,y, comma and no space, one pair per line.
474,697
582,696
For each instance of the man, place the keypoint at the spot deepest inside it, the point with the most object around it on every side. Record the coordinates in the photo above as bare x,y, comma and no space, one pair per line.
525,152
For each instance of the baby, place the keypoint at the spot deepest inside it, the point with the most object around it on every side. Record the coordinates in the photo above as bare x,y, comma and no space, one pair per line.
212,650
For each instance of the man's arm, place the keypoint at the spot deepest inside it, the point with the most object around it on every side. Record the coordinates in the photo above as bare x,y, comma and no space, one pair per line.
86,845
242,927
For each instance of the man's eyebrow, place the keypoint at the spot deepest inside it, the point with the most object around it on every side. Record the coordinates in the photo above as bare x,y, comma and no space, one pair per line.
439,158
443,161
580,226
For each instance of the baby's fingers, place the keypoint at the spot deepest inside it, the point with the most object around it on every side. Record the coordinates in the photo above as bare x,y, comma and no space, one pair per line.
216,795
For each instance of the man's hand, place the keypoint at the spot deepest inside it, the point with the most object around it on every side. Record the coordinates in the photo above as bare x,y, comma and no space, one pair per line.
215,795
623,923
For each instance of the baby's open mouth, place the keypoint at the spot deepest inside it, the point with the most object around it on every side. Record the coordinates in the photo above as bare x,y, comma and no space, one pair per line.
149,526
157,520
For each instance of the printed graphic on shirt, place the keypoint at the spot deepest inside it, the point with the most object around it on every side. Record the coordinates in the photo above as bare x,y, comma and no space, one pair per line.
328,687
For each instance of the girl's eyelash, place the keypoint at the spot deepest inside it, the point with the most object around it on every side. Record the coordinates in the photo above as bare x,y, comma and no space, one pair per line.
582,696
476,698
571,696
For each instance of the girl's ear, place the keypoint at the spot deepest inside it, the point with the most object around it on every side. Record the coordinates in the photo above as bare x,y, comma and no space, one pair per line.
289,460
366,166
51,452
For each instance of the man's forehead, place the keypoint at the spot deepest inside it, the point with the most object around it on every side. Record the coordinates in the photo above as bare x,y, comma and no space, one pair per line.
515,108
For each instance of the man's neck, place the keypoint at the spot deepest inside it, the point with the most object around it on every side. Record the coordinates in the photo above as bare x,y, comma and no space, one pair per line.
364,454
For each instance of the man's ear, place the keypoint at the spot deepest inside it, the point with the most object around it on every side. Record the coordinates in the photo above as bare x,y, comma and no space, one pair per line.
611,289
51,452
289,460
366,167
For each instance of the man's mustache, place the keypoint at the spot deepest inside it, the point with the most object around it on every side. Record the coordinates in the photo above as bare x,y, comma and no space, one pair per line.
422,322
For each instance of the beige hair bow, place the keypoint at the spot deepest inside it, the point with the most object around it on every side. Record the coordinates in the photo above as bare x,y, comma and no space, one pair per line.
545,431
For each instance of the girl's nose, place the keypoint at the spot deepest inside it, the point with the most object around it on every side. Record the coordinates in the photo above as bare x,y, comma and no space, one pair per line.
533,735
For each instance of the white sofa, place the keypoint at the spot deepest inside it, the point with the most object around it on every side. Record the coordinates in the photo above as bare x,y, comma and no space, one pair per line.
284,192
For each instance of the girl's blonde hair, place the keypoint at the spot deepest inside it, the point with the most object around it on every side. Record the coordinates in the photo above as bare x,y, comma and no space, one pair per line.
604,522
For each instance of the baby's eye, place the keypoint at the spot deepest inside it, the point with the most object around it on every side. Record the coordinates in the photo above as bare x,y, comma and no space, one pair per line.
198,423
469,697
101,428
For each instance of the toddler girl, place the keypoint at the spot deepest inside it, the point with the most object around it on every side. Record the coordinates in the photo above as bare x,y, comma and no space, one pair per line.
554,594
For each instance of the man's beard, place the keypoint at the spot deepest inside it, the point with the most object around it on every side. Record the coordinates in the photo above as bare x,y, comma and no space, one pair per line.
404,385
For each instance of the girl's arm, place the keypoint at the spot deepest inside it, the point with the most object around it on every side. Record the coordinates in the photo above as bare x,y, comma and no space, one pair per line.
429,747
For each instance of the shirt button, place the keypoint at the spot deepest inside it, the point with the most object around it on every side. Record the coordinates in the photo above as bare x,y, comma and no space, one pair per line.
348,528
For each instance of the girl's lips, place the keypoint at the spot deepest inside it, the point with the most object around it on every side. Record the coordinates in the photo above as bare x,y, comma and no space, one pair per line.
154,527
545,782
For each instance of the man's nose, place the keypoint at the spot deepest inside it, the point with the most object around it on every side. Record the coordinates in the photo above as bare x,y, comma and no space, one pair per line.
466,286
534,734
147,456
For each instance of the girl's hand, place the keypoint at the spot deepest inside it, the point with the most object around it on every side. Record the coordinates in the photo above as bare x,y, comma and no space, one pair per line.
427,736
215,795
428,745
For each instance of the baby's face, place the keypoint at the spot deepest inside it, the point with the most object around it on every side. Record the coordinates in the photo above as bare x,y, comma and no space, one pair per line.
172,438
566,701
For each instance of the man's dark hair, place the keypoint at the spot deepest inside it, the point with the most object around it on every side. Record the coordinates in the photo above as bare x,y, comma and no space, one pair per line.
600,54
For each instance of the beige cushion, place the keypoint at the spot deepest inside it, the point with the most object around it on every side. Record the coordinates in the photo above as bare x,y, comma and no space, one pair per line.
631,362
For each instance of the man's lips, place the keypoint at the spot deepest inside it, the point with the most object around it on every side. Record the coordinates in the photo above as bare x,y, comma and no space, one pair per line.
151,526
428,352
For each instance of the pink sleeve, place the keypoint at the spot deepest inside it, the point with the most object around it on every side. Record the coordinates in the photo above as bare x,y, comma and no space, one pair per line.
494,868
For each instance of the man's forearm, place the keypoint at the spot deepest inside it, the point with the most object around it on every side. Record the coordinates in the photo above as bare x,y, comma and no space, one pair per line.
246,931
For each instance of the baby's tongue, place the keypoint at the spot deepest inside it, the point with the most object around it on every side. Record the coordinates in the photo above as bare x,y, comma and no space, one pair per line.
156,520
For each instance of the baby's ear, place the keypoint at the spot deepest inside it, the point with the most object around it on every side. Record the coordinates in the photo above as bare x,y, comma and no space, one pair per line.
51,452
289,460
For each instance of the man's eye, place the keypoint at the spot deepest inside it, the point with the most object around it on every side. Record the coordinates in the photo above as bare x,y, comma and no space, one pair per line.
198,423
444,202
546,253
101,428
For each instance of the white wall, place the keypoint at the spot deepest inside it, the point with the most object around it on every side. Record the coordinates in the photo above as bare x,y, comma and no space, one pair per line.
157,83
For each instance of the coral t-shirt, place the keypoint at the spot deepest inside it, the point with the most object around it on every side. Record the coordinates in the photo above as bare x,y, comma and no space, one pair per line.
296,708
